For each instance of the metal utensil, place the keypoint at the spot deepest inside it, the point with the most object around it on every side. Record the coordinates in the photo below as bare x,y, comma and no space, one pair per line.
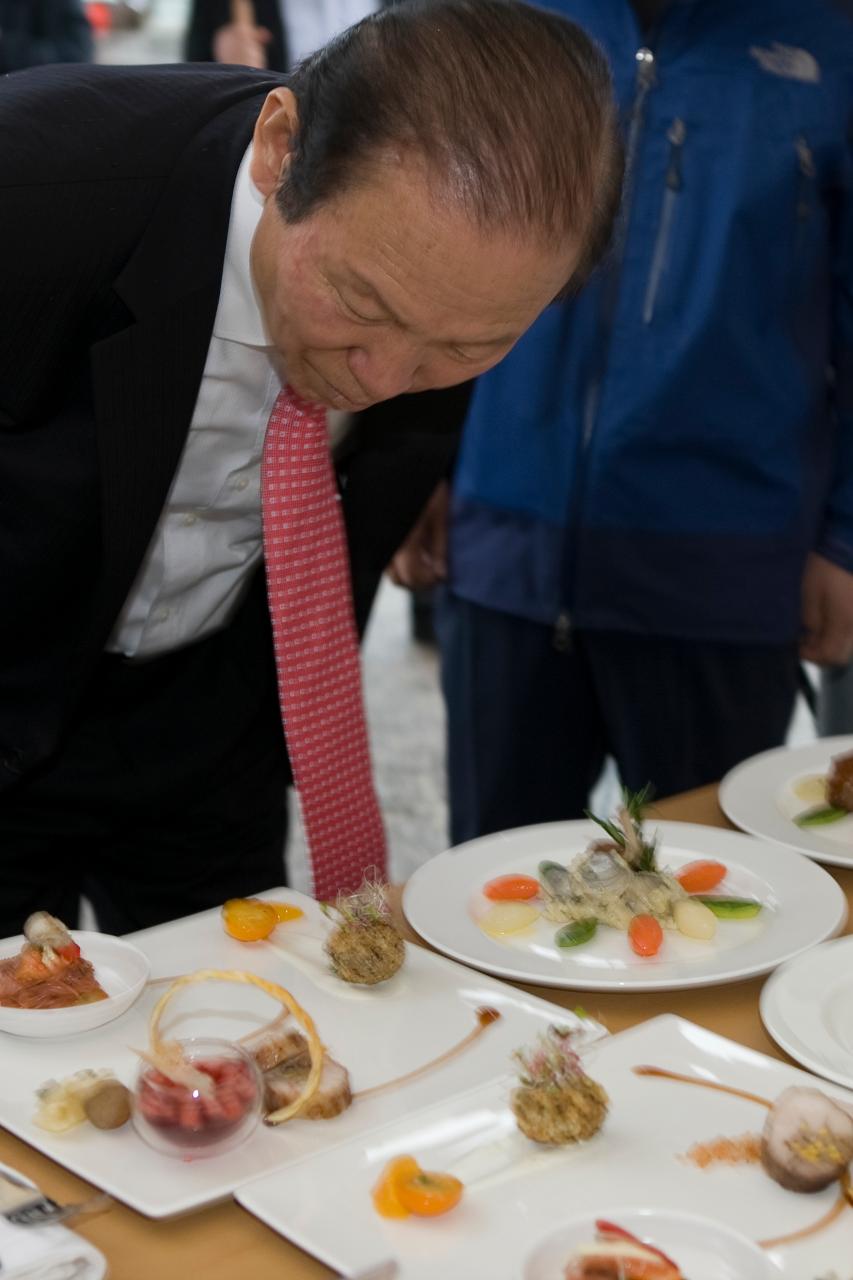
24,1205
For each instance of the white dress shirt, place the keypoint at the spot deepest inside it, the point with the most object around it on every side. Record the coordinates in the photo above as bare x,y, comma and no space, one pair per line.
208,538
309,24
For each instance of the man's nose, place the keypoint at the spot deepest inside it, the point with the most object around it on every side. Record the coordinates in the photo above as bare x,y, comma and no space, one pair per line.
386,368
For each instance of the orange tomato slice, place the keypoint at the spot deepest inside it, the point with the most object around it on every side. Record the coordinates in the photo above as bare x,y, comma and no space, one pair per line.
701,877
386,1199
511,888
429,1194
249,919
645,935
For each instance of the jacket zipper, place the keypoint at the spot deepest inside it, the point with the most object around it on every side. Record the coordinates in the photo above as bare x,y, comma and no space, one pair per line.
676,134
644,80
643,83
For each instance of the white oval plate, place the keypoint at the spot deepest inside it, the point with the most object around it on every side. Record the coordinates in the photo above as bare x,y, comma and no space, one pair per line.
704,1250
807,1007
759,797
121,969
803,905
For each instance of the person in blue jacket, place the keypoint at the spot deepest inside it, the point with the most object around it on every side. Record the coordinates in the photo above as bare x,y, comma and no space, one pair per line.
651,519
35,32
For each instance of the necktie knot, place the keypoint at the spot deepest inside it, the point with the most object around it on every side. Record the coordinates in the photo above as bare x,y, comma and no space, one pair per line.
311,408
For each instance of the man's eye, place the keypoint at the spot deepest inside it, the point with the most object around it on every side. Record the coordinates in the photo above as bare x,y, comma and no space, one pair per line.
358,315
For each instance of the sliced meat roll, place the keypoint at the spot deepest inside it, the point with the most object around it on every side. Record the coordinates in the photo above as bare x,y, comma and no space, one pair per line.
279,1043
285,1082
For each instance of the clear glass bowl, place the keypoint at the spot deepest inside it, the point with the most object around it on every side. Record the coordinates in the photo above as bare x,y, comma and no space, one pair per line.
191,1123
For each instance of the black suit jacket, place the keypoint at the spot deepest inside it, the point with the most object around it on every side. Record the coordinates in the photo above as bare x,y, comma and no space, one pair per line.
115,191
207,16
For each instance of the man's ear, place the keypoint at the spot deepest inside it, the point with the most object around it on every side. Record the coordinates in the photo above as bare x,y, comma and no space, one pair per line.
272,142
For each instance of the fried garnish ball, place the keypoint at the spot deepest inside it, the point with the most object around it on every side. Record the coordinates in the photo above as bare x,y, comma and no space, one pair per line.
560,1113
556,1101
365,952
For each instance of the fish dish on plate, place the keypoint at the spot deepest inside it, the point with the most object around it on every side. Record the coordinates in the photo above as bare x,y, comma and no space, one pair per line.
49,972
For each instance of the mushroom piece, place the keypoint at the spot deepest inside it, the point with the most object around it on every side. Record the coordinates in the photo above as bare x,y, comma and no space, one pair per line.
41,929
807,1141
108,1105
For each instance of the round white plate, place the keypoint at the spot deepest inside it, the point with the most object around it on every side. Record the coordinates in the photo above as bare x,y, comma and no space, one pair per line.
704,1250
120,968
760,796
803,905
807,1007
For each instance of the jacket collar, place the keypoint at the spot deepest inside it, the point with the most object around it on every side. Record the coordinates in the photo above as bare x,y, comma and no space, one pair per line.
183,246
146,377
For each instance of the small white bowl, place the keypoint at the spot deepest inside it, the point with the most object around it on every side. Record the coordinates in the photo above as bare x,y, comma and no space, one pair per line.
121,969
703,1249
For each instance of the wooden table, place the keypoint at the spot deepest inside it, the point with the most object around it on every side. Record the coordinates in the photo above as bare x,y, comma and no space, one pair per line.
225,1241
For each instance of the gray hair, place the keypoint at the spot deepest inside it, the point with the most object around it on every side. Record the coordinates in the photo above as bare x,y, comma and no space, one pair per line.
510,106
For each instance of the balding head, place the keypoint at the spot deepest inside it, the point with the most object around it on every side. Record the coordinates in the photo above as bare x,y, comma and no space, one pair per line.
510,106
433,179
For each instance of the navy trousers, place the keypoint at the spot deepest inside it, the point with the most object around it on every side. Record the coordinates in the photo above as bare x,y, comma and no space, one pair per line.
531,716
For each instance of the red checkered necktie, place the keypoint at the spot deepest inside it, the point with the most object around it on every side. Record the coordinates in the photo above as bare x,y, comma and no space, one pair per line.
316,649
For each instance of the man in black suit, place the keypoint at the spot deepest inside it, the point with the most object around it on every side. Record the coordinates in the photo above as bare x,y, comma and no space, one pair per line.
176,242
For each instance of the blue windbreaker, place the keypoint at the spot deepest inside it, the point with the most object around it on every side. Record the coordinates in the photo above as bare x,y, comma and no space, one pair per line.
661,453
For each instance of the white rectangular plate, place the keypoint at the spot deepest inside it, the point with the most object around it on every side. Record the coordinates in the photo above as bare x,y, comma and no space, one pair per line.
378,1033
517,1193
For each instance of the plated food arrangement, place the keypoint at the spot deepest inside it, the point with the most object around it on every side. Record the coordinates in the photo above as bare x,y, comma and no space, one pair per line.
703,1161
617,1254
49,971
254,1045
798,796
433,1105
696,1248
56,983
635,906
617,883
201,1097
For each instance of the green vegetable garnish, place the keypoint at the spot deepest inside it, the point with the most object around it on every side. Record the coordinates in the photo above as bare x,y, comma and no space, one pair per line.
555,878
820,816
576,933
732,908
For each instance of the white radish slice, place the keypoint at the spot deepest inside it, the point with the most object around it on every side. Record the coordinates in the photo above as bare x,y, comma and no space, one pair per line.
694,919
508,917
